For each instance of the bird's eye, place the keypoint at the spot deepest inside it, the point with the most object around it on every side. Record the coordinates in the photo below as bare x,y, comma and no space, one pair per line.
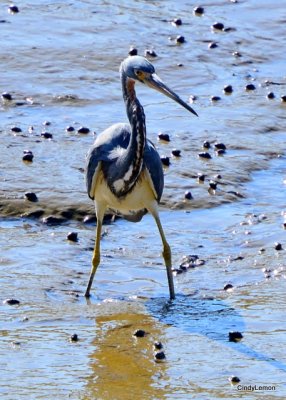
139,73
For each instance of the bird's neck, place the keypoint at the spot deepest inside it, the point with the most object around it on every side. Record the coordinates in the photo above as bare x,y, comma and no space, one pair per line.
133,159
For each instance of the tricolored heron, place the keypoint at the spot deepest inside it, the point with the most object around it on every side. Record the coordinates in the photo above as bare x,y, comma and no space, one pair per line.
124,172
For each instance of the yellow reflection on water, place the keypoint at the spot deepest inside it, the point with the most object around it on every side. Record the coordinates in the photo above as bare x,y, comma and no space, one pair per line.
123,366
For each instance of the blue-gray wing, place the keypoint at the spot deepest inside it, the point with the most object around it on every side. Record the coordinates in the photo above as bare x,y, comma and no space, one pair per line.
153,163
115,137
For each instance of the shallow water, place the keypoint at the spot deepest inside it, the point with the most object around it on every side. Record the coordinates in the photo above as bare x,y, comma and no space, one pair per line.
61,65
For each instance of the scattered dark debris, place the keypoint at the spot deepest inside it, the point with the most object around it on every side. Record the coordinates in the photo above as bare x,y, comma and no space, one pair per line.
228,286
188,195
165,161
215,98
205,155
31,196
139,333
47,135
198,10
250,87
160,356
11,302
133,51
188,262
150,53
270,95
212,45
164,136
235,336
72,236
234,379
70,129
158,345
278,246
176,153
219,26
74,338
83,130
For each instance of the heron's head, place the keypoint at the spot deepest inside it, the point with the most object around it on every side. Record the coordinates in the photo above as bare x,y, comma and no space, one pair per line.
140,69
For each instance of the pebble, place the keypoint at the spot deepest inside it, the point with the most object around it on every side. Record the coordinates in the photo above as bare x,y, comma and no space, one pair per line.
159,356
220,152
177,21
192,98
28,156
74,338
206,144
164,136
46,135
278,246
213,185
198,10
6,96
158,345
228,89
83,130
176,153
221,146
205,155
150,53
139,333
234,379
165,161
201,177
188,195
177,271
31,196
16,129
219,26
212,45
283,99
228,286
13,9
11,302
190,261
215,98
72,236
133,51
236,54
270,95
235,336
46,123
70,129
180,39
250,87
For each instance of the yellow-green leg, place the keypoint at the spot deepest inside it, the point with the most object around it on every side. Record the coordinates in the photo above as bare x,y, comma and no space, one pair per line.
96,251
166,254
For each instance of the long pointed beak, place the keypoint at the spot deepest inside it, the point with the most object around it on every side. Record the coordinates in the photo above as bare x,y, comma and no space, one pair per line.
154,82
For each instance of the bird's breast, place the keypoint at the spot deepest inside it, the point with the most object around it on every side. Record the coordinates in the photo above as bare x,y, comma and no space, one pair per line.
139,197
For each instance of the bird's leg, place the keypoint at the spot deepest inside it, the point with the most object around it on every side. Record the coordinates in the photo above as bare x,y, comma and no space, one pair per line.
96,251
166,254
